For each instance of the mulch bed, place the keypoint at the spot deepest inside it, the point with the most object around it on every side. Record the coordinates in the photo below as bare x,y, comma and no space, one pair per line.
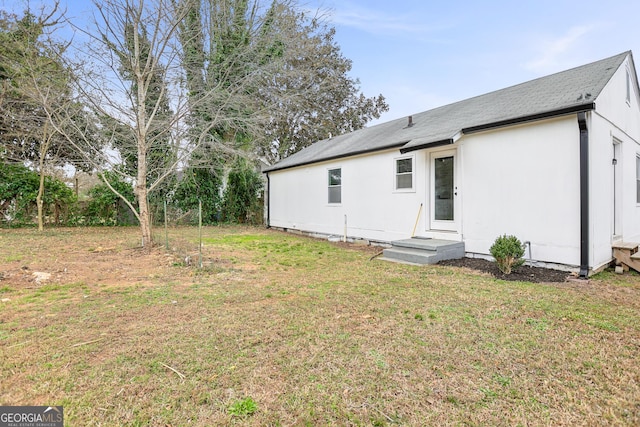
523,273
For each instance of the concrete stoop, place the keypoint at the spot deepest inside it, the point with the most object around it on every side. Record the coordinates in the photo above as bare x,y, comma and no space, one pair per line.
421,251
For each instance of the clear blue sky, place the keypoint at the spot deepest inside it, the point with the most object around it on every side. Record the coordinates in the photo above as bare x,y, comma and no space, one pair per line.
421,54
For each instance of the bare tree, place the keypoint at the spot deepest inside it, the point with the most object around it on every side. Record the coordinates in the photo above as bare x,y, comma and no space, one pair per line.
168,78
129,74
133,75
34,81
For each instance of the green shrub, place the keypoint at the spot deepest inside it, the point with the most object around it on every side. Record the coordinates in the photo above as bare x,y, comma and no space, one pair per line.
105,207
200,185
241,201
508,252
18,191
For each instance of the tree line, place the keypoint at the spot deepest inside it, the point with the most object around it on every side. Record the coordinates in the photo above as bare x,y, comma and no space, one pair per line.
176,100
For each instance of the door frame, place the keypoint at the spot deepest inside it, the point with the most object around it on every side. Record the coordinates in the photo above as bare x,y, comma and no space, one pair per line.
617,190
444,225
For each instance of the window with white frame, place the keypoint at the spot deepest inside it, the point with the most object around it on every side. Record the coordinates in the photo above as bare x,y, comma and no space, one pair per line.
404,174
638,178
335,185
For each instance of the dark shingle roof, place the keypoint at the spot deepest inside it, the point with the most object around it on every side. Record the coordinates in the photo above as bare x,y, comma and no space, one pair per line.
560,93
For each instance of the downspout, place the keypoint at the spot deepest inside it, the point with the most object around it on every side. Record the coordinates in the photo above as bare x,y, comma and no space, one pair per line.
584,195
268,202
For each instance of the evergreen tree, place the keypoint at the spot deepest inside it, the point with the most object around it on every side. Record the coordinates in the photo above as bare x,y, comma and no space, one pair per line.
299,90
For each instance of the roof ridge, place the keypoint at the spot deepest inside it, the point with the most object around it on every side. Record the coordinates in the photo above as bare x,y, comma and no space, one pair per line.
548,76
560,93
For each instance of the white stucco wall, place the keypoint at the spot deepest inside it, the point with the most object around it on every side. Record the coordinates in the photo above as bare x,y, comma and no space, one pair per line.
299,198
614,119
524,181
521,180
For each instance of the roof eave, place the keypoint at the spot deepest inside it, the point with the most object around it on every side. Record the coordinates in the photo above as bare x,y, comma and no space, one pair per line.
433,144
449,141
531,118
337,156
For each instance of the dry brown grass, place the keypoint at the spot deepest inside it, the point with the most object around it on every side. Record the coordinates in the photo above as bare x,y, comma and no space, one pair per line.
314,333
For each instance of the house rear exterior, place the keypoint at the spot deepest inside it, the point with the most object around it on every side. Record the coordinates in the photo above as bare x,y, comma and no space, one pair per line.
554,161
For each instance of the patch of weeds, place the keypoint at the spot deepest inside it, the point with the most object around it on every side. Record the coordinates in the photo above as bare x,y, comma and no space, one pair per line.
470,318
154,295
210,268
586,367
489,394
56,291
418,317
379,359
495,314
502,380
139,422
537,404
243,408
453,400
5,289
537,324
492,347
604,325
48,288
595,320
609,275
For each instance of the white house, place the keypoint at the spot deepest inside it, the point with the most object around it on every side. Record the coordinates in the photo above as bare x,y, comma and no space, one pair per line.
554,161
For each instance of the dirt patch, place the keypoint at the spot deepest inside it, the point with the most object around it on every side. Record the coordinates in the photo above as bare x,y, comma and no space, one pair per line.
523,273
93,256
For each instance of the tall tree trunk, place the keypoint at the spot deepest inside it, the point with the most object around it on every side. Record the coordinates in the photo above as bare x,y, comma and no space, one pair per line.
39,200
141,180
44,147
145,217
142,76
142,194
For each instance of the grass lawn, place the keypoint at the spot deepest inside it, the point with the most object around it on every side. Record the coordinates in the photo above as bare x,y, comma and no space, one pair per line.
282,330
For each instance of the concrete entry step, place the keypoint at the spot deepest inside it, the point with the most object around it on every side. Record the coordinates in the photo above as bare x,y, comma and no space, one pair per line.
422,251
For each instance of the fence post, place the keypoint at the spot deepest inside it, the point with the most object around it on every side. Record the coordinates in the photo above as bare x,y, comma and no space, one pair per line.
166,231
200,233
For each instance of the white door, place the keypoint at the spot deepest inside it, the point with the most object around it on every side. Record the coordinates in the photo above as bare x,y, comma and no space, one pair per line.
617,189
444,191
